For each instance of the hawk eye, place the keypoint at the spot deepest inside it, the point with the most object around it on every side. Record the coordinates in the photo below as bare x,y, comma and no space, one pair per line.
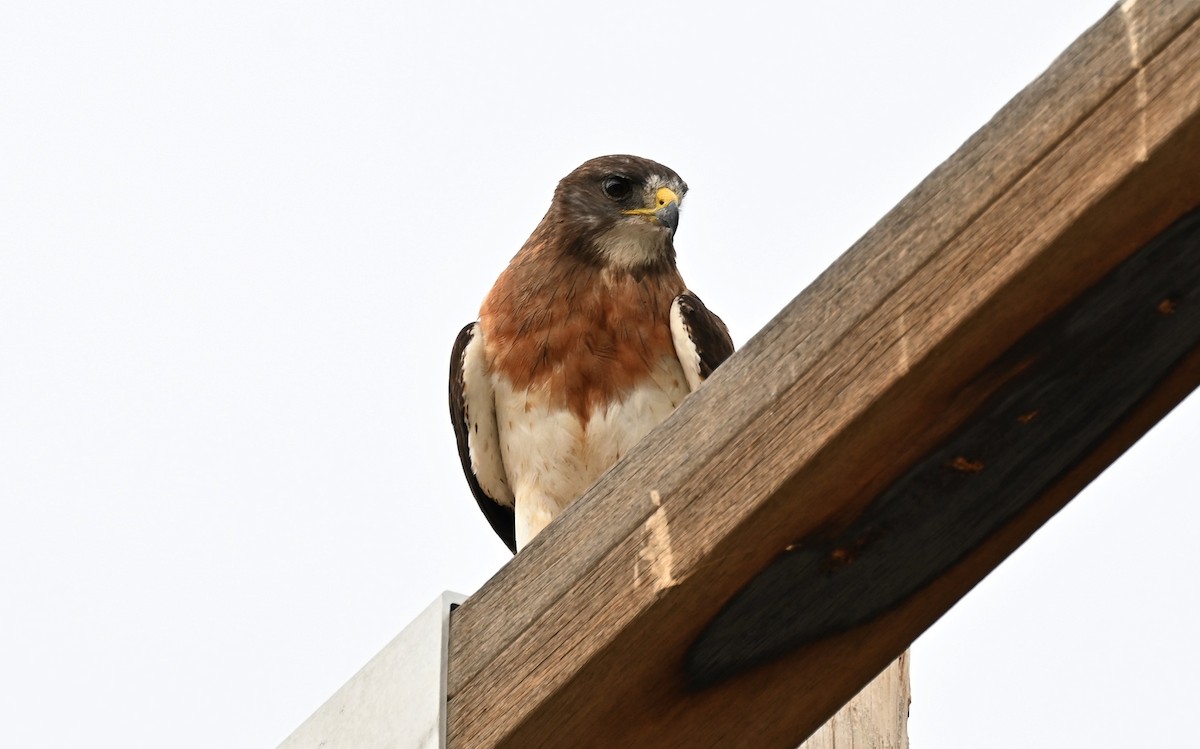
617,188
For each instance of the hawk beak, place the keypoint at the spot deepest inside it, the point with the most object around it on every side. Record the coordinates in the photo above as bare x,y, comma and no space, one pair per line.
665,209
668,216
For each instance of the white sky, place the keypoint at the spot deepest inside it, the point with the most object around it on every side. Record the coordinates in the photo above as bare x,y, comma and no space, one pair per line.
237,240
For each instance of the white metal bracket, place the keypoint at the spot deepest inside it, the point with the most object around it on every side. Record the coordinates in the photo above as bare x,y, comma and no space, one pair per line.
397,700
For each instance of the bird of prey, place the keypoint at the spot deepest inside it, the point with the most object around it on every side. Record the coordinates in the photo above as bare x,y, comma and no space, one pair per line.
587,340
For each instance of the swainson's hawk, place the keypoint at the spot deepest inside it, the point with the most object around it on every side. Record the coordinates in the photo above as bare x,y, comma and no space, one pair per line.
588,339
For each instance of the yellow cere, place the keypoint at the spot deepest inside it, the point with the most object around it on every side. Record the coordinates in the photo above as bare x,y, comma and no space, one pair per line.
664,197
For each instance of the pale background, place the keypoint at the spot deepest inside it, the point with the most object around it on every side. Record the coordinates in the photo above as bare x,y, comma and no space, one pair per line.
237,240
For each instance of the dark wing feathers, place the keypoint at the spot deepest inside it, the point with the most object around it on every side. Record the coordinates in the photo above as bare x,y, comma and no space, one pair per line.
501,518
707,332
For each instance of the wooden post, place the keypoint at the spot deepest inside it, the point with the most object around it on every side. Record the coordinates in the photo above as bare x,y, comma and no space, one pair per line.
875,718
984,352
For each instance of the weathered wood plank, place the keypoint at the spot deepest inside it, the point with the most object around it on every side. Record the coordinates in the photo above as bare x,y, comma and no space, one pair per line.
578,642
986,166
1068,384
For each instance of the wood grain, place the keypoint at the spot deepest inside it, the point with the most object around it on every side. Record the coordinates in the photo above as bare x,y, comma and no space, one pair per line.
577,642
877,717
1067,384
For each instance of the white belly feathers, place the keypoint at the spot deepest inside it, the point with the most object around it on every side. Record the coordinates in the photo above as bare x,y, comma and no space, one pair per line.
550,457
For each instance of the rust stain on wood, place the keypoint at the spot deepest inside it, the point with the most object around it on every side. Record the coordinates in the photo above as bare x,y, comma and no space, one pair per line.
966,465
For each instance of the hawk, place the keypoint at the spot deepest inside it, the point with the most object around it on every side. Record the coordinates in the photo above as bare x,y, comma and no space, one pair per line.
587,340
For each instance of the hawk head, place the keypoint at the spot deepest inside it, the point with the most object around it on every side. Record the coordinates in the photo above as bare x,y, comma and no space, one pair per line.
619,211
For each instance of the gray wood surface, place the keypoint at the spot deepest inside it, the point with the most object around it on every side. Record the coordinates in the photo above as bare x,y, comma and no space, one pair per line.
580,640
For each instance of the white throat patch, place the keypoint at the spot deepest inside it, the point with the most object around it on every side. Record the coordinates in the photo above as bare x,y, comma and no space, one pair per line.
633,244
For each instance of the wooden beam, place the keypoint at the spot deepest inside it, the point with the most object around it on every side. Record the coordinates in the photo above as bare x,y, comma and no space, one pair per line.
618,625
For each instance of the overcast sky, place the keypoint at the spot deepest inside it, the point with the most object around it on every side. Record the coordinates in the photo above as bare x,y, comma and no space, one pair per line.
237,240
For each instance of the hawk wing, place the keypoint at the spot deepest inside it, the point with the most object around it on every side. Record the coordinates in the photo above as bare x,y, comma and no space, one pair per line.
473,413
701,339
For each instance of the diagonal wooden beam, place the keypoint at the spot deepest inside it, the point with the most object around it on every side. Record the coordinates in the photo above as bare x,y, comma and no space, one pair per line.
618,626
